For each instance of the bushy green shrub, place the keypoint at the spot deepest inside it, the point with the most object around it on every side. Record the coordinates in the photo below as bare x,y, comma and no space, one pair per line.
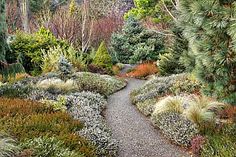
175,127
52,56
49,147
135,44
29,48
187,85
102,57
169,64
8,146
174,61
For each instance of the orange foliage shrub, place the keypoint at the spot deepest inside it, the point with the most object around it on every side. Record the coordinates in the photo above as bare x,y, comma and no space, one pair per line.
143,70
229,112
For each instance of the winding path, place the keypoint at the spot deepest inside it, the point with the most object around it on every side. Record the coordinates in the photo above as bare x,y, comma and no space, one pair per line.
136,136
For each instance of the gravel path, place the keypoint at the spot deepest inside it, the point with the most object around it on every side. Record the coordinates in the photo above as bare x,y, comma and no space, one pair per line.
137,137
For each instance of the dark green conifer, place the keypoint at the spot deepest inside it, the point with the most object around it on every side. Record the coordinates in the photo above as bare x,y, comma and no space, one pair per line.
210,28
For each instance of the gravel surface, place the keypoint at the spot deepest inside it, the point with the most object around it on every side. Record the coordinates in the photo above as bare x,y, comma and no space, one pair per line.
136,136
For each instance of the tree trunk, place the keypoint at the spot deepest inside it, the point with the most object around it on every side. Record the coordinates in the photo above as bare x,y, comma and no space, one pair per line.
87,26
3,30
24,8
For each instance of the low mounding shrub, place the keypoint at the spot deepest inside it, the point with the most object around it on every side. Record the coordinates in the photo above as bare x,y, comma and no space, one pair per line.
88,107
8,146
14,90
147,106
103,84
102,57
155,87
24,119
48,147
143,70
175,127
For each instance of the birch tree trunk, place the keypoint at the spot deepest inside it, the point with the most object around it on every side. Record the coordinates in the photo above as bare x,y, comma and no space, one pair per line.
24,8
87,26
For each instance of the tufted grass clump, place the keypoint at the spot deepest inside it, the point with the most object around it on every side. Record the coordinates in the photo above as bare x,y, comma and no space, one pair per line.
170,104
8,146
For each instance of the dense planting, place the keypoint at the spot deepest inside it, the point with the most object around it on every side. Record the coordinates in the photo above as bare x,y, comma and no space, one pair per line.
24,119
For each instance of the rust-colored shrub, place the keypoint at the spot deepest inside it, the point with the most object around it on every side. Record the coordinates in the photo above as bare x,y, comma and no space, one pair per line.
25,119
229,113
143,70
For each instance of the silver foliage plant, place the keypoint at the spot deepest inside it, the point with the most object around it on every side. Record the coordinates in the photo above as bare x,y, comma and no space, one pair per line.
175,127
88,107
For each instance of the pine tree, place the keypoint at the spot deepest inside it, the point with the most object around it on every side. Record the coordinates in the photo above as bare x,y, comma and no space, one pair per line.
210,27
6,69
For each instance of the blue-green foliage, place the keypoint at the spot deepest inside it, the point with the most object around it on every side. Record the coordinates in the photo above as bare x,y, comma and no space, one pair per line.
135,44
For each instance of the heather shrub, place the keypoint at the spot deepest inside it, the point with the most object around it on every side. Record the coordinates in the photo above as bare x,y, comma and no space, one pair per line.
175,127
155,87
196,145
14,90
187,85
48,147
24,119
